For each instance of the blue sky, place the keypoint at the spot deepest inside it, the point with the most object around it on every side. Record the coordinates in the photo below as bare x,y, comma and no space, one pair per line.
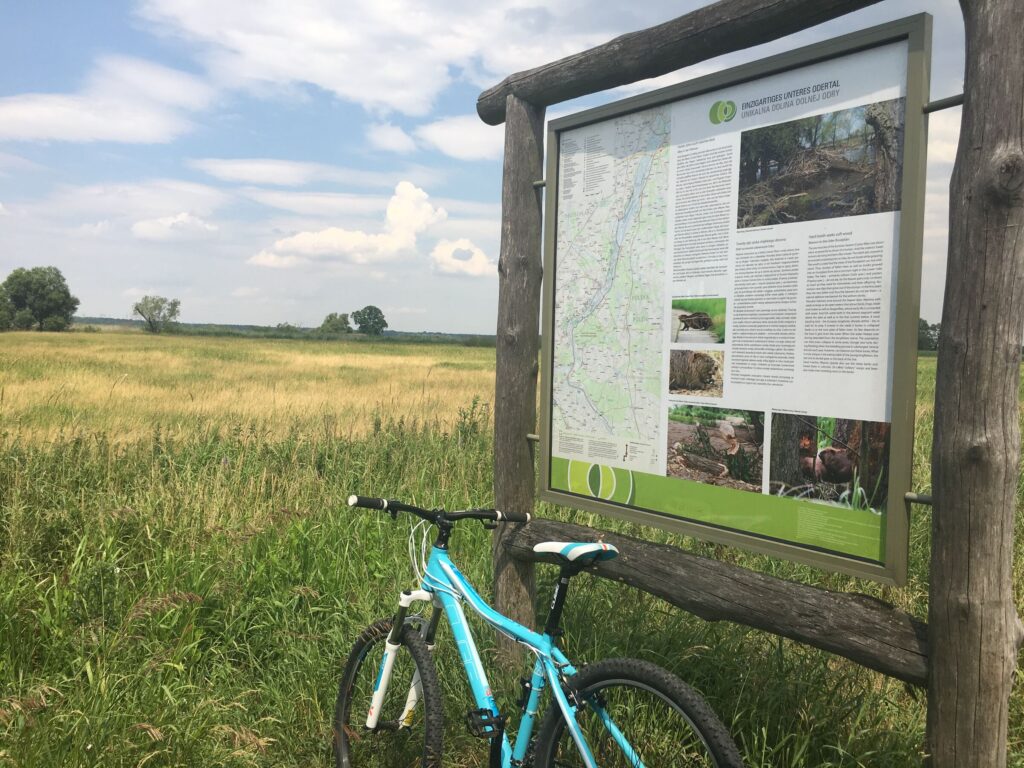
272,161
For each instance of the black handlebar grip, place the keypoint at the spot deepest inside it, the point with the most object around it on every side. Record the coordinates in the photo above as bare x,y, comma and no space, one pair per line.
514,517
367,502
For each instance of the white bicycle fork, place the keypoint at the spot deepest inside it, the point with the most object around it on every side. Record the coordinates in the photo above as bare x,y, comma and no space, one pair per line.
387,667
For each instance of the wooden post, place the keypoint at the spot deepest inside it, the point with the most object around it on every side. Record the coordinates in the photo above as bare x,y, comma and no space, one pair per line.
515,413
974,629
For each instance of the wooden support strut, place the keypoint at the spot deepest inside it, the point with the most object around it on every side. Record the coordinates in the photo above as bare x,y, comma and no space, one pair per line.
858,627
722,27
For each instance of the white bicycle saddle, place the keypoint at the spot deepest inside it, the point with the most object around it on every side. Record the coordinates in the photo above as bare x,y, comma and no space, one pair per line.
585,553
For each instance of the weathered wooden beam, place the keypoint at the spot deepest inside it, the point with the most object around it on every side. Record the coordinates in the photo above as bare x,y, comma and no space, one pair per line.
857,627
515,396
722,27
975,631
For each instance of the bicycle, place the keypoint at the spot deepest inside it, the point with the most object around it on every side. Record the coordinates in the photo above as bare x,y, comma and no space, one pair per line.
616,712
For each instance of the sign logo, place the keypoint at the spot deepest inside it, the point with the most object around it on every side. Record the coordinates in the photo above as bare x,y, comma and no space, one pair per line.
722,112
601,482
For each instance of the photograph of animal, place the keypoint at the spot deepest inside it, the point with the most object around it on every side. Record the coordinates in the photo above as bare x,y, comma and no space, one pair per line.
698,321
695,373
831,459
717,446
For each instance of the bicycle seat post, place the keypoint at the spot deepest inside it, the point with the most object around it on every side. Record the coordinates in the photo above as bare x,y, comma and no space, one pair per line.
552,627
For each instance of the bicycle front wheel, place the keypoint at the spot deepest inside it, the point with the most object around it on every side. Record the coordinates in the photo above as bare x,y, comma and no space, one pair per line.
405,736
634,713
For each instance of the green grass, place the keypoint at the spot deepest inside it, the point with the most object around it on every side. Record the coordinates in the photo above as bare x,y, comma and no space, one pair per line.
188,598
713,307
700,414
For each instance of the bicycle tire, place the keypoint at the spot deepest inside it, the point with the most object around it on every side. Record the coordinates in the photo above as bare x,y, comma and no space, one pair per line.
663,718
389,745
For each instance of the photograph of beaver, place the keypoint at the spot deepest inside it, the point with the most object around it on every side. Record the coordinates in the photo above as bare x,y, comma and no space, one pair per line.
717,446
698,321
844,163
696,373
845,461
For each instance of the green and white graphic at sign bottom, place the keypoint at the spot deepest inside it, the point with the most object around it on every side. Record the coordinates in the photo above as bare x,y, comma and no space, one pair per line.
599,481
729,320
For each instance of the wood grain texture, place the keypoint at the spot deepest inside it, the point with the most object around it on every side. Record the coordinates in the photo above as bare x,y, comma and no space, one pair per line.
858,627
975,631
518,334
722,27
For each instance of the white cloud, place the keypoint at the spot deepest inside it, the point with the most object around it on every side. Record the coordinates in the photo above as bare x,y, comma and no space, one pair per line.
318,203
461,257
464,137
276,261
134,201
138,293
285,173
397,55
4,211
291,173
124,99
94,229
245,292
181,226
390,138
409,213
943,135
471,207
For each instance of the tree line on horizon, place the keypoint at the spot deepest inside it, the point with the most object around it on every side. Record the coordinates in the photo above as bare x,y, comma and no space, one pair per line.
39,298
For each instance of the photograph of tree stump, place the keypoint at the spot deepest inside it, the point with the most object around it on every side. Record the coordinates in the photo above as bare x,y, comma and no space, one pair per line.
696,374
717,446
844,163
845,461
698,321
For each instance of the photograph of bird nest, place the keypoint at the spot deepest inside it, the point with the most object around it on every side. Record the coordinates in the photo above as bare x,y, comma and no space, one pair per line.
718,446
845,163
843,461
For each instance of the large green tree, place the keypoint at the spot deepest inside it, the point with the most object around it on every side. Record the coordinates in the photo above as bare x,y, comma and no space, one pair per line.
6,312
36,298
159,313
335,323
370,320
927,335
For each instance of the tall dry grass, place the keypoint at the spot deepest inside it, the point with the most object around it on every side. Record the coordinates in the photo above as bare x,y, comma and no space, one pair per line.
180,587
125,384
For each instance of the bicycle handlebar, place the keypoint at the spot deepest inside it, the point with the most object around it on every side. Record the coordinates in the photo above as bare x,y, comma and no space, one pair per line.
393,506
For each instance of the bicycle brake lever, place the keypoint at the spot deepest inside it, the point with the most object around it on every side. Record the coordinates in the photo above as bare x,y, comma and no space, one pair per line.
489,525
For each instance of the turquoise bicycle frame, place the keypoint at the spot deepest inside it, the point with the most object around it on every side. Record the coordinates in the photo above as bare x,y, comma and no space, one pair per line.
445,586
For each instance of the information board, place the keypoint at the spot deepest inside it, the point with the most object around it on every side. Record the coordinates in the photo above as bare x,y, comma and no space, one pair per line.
730,331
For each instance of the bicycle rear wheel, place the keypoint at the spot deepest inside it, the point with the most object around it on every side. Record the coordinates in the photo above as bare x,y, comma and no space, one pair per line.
663,720
414,742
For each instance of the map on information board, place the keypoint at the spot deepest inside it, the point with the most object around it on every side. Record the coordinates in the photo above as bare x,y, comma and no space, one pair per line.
609,327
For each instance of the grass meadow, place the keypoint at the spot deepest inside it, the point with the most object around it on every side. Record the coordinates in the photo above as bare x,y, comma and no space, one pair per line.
180,580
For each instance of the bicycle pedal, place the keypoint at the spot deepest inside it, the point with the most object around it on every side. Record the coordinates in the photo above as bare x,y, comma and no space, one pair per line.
484,724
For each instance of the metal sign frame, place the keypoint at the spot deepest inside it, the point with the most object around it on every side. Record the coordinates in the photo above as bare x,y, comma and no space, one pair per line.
916,31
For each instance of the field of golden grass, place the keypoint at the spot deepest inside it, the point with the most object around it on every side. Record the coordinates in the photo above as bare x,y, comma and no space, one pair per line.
181,580
126,384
